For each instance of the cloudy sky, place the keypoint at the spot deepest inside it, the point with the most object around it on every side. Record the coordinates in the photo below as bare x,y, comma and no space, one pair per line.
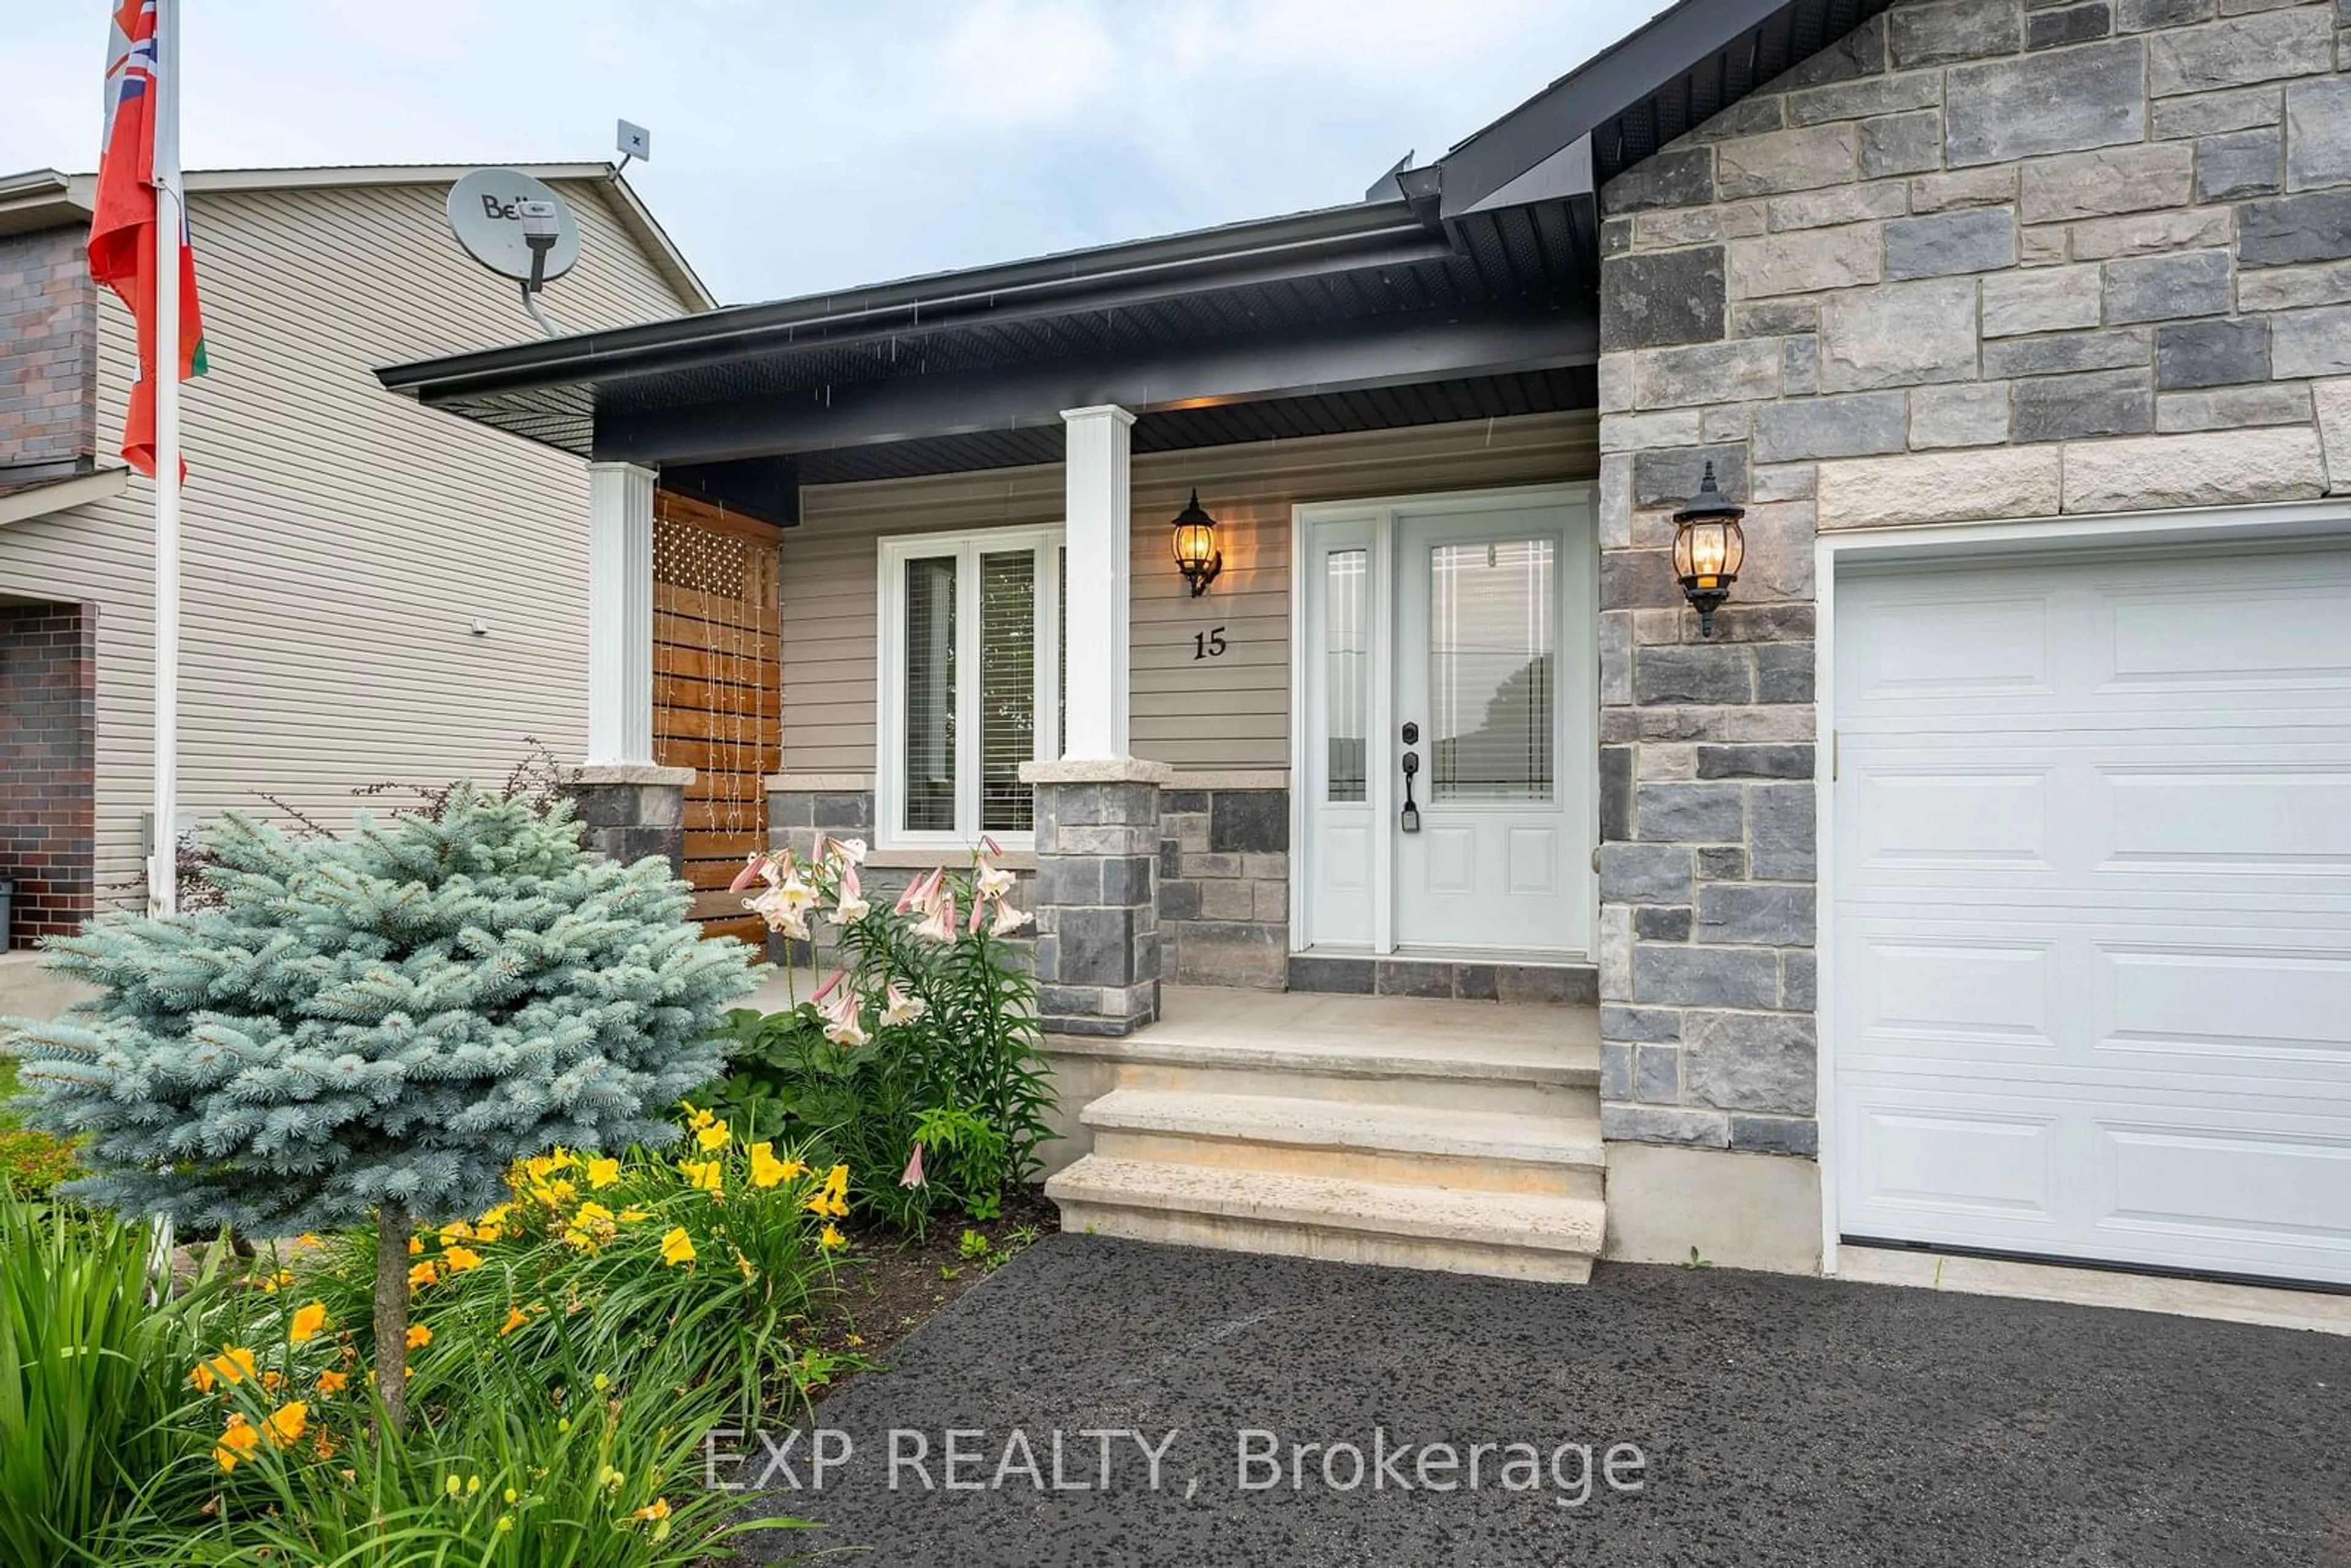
801,145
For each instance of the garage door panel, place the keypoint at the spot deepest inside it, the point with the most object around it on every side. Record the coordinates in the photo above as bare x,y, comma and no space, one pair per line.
1904,815
1916,994
2163,1180
1910,647
1916,1161
2254,814
2227,1187
2091,992
2239,1004
2277,629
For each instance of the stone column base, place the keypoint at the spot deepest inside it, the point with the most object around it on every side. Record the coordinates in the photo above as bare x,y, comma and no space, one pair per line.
633,809
1097,893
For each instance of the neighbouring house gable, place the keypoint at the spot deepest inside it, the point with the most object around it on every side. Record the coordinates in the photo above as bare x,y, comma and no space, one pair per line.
341,543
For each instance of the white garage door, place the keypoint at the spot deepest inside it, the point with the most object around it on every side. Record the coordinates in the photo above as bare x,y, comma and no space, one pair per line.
2092,893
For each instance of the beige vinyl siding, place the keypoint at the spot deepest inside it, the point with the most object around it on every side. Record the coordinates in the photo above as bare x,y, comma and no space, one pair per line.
1222,713
339,539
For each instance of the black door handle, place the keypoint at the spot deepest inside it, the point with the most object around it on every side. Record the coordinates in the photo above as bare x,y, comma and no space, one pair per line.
1410,822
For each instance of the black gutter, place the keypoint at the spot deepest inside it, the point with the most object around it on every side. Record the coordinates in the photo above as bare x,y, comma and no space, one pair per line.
1595,92
1334,239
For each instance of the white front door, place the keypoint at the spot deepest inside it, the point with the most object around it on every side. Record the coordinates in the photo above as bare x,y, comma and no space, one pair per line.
1447,665
2091,982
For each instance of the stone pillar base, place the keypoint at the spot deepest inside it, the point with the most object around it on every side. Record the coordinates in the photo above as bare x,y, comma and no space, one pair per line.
633,809
1097,893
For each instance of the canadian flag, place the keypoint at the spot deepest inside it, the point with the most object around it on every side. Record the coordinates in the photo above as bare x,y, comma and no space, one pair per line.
123,239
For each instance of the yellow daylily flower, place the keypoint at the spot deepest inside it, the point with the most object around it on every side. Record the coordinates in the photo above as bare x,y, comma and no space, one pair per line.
240,1439
603,1172
419,1336
424,1274
832,1197
457,1260
286,1423
831,1237
232,1365
631,1216
767,1170
703,1176
307,1324
677,1247
273,1283
415,1245
497,1216
713,1137
516,1317
455,1232
333,1382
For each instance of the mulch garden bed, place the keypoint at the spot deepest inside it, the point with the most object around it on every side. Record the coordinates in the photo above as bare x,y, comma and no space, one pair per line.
891,1284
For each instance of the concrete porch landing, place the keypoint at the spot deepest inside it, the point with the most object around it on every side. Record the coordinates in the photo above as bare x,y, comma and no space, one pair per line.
1400,1131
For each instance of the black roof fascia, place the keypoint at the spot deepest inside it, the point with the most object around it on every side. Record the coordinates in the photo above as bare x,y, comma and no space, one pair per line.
1348,356
1678,43
1303,245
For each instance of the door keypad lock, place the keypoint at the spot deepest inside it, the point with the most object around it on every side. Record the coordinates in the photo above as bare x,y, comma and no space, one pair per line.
1410,822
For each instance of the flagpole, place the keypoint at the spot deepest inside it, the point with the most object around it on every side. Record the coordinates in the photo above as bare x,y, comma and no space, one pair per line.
163,869
164,866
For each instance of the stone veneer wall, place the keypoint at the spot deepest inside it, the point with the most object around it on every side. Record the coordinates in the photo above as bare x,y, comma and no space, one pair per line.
632,811
1979,259
1224,885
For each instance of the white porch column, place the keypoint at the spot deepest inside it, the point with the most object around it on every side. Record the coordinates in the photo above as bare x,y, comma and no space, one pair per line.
621,614
1096,529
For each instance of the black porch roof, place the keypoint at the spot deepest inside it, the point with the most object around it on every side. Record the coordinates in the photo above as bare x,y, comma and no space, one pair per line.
1471,291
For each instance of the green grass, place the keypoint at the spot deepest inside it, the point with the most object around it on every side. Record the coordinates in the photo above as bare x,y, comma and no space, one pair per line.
30,1162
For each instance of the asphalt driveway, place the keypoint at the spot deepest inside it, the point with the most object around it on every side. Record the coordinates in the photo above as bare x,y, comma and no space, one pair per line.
1773,1421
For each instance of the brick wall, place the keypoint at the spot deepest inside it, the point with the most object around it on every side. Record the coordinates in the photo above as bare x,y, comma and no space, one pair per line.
1979,259
48,350
49,726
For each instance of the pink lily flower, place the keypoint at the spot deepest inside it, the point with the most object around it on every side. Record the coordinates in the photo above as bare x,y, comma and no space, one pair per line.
826,989
913,1173
852,907
939,924
843,1026
752,866
921,890
1008,920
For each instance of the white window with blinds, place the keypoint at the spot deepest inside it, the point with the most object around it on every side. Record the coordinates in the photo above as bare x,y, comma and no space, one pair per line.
971,669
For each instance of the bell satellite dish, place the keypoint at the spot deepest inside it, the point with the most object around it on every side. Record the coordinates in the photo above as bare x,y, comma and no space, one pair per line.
515,225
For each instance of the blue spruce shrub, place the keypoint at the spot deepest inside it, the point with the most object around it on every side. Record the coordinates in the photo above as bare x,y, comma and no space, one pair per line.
379,1025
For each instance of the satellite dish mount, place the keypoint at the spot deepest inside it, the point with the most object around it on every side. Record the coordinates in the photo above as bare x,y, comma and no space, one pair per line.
518,228
632,142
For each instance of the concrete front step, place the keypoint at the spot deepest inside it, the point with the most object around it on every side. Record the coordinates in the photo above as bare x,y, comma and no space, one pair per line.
1400,1143
1464,1056
1504,1235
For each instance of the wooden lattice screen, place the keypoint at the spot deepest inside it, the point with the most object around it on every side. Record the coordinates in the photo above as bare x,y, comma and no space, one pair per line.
717,689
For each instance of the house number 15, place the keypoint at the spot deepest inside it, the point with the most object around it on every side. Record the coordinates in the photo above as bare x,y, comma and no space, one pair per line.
1209,644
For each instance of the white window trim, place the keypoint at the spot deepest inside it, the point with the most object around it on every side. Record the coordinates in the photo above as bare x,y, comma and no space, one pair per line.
890,730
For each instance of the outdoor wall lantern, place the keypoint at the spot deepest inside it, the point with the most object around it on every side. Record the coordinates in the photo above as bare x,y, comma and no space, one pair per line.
1197,556
1708,548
